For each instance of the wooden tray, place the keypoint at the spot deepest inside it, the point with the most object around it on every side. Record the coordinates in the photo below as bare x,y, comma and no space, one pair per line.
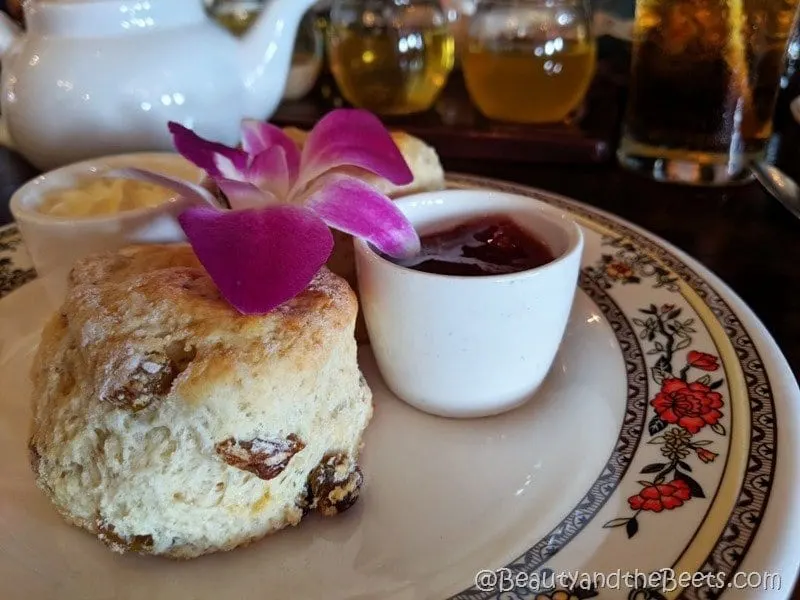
458,131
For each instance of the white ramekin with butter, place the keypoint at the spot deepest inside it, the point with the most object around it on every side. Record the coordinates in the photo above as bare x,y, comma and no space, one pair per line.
69,213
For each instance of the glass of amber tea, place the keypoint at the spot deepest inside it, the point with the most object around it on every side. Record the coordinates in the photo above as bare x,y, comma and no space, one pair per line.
393,57
704,82
529,61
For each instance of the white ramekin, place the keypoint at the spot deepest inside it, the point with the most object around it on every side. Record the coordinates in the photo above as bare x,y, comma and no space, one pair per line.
470,346
56,242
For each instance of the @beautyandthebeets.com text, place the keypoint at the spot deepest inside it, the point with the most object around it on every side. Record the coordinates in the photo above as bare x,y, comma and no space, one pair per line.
666,580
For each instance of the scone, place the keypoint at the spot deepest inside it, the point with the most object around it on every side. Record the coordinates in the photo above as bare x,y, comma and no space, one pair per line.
167,423
429,176
421,158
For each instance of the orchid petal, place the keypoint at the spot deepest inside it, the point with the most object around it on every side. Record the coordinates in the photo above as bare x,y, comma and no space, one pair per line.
258,136
269,171
350,205
242,195
226,168
259,258
352,138
203,153
194,193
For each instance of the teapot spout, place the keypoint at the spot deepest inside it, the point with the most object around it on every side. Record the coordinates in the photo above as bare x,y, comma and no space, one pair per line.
266,55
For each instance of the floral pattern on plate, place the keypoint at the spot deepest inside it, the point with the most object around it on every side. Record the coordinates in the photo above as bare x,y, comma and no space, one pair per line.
684,406
685,448
15,265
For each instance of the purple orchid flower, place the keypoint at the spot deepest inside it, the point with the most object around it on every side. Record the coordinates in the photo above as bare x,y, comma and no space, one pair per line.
276,237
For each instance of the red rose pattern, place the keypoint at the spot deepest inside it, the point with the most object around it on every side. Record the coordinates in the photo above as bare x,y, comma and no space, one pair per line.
703,361
659,497
619,270
689,405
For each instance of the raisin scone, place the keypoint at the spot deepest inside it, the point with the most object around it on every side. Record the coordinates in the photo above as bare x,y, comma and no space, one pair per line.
167,423
422,160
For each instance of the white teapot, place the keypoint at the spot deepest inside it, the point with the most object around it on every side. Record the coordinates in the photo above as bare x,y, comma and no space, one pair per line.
96,77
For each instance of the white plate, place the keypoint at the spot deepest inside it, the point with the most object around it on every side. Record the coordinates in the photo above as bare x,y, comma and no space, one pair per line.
545,489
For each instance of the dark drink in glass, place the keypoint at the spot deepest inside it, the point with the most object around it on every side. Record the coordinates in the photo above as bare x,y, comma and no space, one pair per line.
704,80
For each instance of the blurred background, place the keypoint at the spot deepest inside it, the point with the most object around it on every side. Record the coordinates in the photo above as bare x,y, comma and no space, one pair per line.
448,70
545,81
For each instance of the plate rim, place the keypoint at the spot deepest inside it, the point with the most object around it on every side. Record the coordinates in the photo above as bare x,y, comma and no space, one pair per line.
775,547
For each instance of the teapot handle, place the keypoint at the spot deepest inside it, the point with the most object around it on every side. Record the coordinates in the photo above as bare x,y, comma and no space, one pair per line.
10,32
5,137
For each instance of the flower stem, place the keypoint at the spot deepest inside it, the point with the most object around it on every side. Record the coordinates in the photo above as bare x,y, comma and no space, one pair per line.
669,349
685,371
672,466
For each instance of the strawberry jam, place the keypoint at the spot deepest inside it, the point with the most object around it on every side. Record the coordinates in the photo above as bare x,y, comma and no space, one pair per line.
487,246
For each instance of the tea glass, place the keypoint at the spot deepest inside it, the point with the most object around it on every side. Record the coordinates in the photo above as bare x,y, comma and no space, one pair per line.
392,57
703,87
529,61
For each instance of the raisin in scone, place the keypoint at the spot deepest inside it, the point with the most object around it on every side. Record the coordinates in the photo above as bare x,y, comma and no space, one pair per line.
167,423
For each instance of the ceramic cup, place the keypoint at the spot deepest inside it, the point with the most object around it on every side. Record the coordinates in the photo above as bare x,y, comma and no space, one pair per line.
466,347
55,243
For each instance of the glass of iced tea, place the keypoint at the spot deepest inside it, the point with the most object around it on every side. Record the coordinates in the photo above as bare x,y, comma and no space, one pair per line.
529,61
704,82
